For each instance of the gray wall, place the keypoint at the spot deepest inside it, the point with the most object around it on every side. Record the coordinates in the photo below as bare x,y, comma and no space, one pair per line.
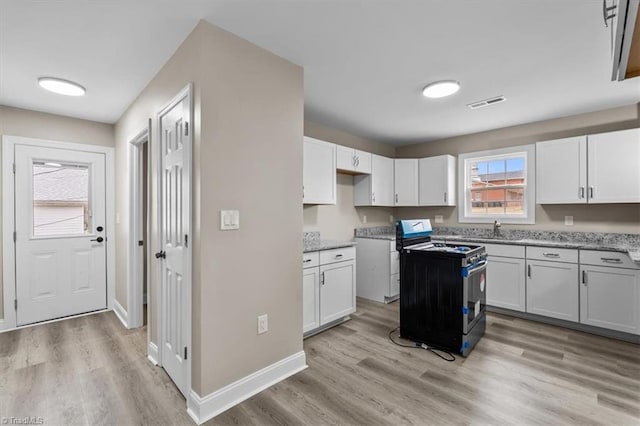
248,156
624,218
39,125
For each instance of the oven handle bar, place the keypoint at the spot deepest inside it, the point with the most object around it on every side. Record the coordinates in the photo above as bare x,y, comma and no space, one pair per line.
474,268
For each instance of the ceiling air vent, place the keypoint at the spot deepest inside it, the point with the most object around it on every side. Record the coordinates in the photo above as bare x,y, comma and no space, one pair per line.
487,102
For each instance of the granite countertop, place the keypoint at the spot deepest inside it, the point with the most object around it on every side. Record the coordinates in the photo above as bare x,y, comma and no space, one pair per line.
622,243
311,241
614,246
326,245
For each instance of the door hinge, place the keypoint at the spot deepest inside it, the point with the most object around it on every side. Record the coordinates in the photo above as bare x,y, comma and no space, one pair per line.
14,168
185,352
15,236
15,304
186,128
186,240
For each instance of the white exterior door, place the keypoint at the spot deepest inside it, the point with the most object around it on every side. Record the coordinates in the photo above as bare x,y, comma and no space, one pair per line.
174,256
60,233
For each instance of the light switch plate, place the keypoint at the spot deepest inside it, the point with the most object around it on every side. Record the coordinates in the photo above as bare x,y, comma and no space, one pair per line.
229,220
438,218
568,220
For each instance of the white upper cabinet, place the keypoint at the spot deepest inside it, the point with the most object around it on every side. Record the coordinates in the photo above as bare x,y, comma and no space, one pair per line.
353,160
613,172
437,181
561,171
376,189
319,172
602,168
406,182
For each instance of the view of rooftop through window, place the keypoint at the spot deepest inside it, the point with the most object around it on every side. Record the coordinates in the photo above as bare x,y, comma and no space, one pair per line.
60,199
497,186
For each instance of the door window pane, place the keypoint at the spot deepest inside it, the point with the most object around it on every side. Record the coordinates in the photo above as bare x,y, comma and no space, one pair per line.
60,199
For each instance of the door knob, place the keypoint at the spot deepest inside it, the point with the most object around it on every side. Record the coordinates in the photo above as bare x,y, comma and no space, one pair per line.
99,239
99,229
161,255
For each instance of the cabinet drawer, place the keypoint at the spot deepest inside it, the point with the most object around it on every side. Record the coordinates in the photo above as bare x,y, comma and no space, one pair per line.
504,250
607,258
310,259
337,255
553,254
394,259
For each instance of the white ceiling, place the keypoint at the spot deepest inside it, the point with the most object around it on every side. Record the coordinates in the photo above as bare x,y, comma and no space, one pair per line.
366,61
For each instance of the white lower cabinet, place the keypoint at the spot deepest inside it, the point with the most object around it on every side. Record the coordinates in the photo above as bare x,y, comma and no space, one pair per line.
328,287
310,299
378,270
552,289
506,285
610,296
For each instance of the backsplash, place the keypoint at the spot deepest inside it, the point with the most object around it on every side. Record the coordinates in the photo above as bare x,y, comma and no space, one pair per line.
375,230
310,237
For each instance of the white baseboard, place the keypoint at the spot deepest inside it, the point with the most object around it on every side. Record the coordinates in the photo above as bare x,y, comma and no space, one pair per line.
120,313
152,353
204,408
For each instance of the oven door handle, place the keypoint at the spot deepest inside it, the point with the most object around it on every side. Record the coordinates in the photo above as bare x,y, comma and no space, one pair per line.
475,268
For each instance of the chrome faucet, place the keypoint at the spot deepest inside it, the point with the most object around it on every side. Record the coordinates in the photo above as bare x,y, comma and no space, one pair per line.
496,228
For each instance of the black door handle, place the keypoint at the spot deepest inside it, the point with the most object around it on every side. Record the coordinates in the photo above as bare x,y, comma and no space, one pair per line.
99,239
161,255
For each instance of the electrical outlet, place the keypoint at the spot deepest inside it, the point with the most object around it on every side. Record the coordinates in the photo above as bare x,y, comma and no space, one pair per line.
364,218
568,220
390,218
439,218
263,324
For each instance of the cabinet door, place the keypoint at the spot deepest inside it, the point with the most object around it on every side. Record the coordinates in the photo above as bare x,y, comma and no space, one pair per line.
406,182
614,167
363,162
609,298
561,171
506,283
345,158
310,299
319,172
552,289
437,181
381,180
337,291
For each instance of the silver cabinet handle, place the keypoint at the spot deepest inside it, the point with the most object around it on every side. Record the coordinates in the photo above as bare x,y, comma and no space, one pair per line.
338,256
554,255
357,161
607,12
322,278
373,197
445,197
611,259
396,198
581,193
584,277
529,271
591,192
353,160
306,261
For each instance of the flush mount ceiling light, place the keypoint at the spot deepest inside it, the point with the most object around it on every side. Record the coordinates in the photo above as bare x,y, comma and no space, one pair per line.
440,89
60,86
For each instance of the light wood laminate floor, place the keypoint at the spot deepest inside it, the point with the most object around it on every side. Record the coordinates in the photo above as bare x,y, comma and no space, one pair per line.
90,370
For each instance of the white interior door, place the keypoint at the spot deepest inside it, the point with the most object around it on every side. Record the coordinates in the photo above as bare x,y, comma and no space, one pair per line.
175,159
60,233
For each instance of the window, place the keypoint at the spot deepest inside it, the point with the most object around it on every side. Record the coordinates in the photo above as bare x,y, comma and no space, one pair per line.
60,199
497,185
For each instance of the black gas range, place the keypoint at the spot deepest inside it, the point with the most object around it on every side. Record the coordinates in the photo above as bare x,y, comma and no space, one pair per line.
442,289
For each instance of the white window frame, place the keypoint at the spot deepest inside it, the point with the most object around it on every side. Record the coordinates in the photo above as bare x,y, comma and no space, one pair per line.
464,204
